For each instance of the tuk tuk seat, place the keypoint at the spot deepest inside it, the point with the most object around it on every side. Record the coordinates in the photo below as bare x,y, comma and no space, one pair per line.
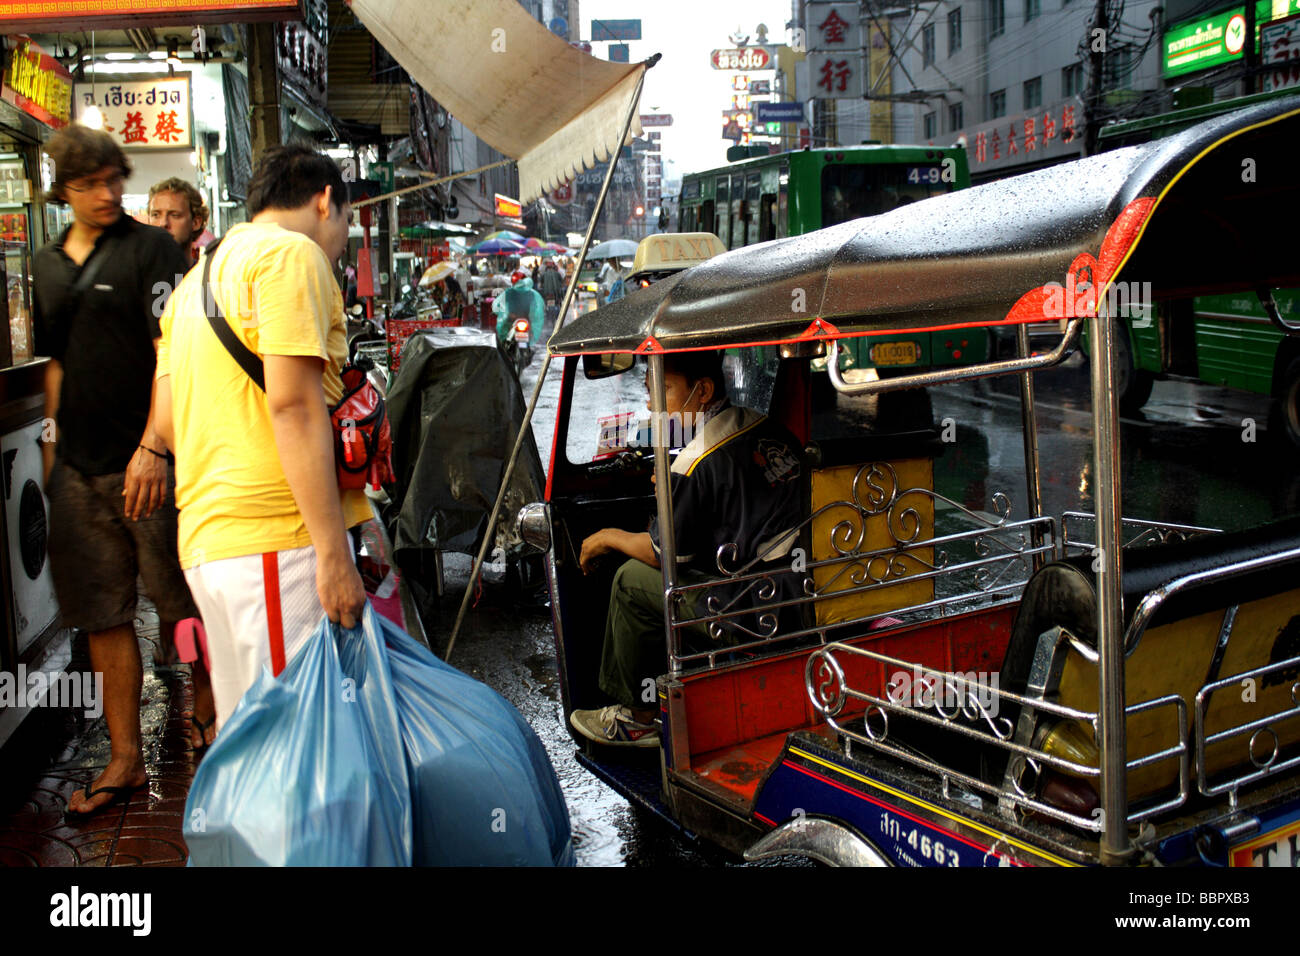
1195,638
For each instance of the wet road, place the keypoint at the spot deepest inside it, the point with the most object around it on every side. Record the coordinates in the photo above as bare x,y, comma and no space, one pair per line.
1187,458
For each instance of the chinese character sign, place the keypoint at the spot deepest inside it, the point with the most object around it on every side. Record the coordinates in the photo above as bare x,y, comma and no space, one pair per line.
142,114
836,63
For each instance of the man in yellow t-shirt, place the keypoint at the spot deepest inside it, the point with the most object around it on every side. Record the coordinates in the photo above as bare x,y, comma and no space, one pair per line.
262,526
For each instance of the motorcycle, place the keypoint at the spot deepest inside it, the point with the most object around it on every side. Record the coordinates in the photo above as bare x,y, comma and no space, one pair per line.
518,347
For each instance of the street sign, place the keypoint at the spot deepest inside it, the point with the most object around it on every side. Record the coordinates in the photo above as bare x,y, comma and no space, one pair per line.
780,112
760,87
562,194
383,172
603,30
656,119
619,52
750,58
559,26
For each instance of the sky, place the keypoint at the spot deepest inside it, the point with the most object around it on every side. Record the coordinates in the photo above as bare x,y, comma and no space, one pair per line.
684,82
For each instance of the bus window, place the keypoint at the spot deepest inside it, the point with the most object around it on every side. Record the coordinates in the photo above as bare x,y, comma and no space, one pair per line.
767,217
722,220
705,222
782,200
751,216
849,191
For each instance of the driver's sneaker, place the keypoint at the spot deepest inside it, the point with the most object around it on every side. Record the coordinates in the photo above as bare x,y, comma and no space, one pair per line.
614,725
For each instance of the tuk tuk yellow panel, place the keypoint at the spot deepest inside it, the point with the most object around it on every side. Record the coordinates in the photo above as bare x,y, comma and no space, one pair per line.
834,484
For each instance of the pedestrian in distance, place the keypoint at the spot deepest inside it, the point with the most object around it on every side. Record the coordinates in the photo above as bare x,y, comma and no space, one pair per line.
263,522
178,207
107,472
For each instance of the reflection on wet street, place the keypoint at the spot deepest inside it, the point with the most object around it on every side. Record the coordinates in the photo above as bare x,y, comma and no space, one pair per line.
1188,458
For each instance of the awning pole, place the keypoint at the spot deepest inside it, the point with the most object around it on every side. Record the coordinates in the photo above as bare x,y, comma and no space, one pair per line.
490,534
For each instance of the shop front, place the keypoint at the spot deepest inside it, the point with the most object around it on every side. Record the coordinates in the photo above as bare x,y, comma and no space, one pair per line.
35,100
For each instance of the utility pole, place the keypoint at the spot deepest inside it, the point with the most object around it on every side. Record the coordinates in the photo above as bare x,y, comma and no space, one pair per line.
263,89
1098,36
1252,55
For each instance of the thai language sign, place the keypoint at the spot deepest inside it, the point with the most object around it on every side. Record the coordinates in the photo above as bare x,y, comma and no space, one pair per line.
749,58
1279,47
37,83
142,114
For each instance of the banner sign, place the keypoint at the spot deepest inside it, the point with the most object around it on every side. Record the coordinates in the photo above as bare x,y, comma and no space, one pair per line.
1053,133
37,83
142,114
656,119
780,112
41,16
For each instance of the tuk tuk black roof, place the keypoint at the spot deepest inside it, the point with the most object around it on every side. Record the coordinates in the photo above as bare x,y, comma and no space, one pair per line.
1196,213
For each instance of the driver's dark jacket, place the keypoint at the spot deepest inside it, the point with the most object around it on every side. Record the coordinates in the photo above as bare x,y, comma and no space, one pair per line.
736,500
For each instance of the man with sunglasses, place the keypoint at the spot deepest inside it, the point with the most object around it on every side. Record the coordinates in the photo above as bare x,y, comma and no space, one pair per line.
99,290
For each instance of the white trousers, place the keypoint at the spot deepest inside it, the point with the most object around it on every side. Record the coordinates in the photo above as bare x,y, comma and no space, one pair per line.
258,611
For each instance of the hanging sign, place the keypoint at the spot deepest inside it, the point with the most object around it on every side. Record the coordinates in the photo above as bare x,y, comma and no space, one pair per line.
37,83
142,114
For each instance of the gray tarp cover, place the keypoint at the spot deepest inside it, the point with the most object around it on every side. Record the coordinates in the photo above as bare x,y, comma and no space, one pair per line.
455,412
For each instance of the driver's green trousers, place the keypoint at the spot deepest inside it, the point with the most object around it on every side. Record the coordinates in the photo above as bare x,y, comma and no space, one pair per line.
635,650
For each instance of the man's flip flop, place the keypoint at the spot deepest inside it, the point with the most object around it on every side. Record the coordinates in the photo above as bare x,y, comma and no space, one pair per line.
120,795
202,728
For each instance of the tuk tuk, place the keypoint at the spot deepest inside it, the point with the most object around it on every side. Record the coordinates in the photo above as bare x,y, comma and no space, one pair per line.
952,685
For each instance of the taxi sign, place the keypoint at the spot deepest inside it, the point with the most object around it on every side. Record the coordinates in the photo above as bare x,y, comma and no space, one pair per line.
672,252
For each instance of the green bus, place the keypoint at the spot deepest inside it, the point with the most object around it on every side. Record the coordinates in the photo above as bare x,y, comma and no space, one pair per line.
1229,339
789,194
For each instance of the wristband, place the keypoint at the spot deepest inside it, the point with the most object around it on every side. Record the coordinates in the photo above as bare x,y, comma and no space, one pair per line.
160,454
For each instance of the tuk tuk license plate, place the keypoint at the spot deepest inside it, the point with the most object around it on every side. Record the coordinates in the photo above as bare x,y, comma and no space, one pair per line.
1280,847
521,338
895,353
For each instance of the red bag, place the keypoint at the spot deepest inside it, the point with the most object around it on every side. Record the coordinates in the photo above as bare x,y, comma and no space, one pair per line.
363,440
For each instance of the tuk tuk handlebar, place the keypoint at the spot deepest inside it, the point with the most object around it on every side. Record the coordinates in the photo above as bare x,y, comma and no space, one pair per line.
924,379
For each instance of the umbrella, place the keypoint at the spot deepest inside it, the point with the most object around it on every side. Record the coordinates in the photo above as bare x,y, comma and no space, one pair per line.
556,247
613,249
437,272
504,234
532,243
498,247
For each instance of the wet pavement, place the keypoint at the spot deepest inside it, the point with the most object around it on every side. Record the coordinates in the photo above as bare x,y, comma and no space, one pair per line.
1191,456
57,751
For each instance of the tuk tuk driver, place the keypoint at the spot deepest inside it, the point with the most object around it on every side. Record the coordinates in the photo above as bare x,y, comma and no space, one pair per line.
735,482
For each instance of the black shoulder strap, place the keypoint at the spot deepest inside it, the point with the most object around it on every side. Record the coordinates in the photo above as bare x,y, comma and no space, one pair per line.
241,353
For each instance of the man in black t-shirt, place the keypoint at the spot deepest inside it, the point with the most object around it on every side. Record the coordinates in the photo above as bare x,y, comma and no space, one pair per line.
99,291
735,486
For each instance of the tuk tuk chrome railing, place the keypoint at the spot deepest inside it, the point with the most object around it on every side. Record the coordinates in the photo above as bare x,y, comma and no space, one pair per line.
1265,764
1140,532
954,696
740,609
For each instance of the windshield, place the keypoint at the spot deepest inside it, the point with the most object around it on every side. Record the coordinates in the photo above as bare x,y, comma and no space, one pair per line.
854,191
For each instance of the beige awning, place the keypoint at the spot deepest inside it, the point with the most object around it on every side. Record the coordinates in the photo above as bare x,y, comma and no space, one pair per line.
519,87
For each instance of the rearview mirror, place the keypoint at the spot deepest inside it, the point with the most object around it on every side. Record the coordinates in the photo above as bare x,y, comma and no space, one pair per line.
605,364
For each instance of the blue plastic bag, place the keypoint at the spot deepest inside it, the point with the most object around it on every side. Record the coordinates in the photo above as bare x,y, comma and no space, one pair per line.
309,770
368,750
483,790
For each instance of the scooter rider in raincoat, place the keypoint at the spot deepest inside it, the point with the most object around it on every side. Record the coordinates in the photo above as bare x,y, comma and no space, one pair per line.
520,301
